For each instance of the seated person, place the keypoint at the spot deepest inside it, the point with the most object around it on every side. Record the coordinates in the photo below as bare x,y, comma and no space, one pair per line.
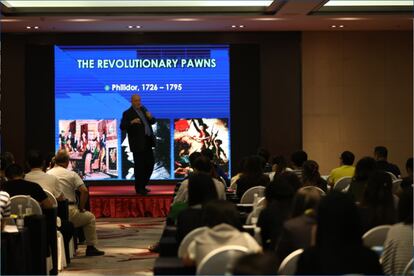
201,190
381,156
70,182
5,207
48,182
297,231
345,169
252,176
201,164
407,181
278,194
365,167
16,185
224,224
312,177
298,158
398,246
338,247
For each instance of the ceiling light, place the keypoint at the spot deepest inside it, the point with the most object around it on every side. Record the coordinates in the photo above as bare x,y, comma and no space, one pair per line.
341,26
133,3
348,18
376,3
186,19
28,27
333,26
233,26
82,20
138,27
241,26
5,20
266,19
36,27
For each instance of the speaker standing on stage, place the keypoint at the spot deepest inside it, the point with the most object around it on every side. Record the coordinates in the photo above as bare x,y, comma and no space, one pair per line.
137,121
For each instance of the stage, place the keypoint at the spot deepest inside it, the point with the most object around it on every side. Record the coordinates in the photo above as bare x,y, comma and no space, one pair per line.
123,202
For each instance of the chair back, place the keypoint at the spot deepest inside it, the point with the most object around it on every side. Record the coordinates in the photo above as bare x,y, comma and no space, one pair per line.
182,249
248,196
376,236
342,183
289,264
24,200
254,214
221,260
409,269
52,198
393,176
396,186
319,190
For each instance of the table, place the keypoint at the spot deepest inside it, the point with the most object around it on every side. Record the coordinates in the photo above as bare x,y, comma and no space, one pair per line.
15,256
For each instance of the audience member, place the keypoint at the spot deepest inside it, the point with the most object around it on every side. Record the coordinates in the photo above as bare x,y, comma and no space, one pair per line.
346,160
7,159
381,156
16,185
49,162
364,169
5,207
377,206
256,264
279,166
201,165
217,172
70,182
201,190
223,220
408,181
233,181
253,176
398,247
312,177
278,194
297,231
265,155
338,248
35,161
298,158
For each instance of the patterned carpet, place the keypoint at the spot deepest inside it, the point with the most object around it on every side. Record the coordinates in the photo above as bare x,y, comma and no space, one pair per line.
125,242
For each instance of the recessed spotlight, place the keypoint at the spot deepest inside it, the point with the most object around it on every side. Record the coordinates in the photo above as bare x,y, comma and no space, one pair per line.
341,26
130,27
138,27
241,26
36,27
333,26
233,26
28,27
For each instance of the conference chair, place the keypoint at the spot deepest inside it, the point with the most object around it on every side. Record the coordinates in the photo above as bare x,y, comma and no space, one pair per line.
409,269
376,236
393,176
182,249
221,260
254,215
319,190
289,264
342,184
61,255
396,186
24,201
248,196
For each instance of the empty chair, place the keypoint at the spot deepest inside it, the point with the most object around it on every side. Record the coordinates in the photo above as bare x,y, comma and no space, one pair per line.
409,270
221,260
248,196
289,264
376,236
342,184
182,249
24,200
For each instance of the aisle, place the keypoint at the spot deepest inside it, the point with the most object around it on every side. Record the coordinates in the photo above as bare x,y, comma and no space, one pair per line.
125,243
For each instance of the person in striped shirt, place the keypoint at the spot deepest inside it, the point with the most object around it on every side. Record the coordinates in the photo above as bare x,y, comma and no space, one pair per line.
5,208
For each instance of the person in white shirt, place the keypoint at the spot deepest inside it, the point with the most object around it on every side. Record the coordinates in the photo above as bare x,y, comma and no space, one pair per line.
201,165
48,182
70,182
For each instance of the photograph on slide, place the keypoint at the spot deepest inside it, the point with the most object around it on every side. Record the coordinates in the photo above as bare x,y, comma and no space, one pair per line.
92,147
162,152
194,135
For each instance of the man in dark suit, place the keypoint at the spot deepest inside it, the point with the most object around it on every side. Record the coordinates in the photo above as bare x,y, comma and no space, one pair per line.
137,121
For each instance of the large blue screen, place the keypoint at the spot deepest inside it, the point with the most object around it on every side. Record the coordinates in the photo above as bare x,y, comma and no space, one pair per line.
185,87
